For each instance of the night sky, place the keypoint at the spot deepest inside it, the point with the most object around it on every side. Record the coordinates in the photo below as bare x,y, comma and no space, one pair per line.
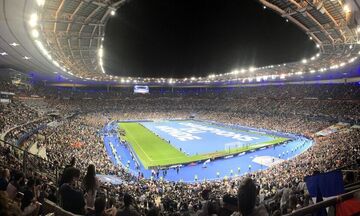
173,38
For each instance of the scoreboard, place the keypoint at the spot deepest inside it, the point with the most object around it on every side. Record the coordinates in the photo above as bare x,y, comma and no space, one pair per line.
141,89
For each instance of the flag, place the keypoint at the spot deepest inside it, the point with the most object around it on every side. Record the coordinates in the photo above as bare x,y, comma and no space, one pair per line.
348,207
324,186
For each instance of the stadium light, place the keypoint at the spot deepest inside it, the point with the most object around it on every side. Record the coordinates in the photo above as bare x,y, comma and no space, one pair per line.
235,71
252,69
14,44
35,33
352,60
101,52
40,3
346,8
33,20
112,13
334,66
56,63
304,61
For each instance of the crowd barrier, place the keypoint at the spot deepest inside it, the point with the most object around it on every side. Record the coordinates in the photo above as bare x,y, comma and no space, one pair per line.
313,209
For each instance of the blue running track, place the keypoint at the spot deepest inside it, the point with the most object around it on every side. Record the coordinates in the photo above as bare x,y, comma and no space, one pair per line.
217,169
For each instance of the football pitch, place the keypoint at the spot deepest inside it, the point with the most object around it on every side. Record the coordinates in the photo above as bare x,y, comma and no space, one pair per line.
166,143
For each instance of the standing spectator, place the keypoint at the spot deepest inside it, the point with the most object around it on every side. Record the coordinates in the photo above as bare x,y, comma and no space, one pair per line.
72,164
91,185
247,199
72,199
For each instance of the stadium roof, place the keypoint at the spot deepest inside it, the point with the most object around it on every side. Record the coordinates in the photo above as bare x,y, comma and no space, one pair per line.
64,37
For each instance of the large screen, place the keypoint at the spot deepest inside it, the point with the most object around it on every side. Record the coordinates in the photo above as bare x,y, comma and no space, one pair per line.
138,89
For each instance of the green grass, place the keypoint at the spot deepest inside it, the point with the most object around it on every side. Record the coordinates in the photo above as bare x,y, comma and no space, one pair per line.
154,151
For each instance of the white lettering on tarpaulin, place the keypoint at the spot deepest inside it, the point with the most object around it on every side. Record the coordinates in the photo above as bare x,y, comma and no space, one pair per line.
178,134
220,132
185,134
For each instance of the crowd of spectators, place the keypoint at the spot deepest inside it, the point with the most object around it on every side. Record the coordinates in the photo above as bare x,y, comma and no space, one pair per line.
76,137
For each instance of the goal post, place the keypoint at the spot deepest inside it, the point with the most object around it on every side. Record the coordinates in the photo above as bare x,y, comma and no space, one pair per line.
234,145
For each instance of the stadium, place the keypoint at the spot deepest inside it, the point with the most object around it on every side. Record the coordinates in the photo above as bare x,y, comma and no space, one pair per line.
77,138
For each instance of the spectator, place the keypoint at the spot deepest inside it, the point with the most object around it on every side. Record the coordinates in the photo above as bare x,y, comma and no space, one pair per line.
14,185
4,179
72,199
28,205
7,206
128,209
247,199
91,185
100,205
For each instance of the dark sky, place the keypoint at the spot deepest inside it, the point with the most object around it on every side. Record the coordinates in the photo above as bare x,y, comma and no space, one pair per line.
173,38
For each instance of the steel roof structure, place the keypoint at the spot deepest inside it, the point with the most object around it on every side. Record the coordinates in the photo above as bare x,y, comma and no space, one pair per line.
65,37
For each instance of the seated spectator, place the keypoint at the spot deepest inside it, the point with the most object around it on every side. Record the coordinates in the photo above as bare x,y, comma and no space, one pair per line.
204,203
29,204
99,210
128,209
72,199
14,185
8,206
229,205
4,179
72,163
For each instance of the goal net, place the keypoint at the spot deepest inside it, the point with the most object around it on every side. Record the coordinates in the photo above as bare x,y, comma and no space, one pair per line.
232,146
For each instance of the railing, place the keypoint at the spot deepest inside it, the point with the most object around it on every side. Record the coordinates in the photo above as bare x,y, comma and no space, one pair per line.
29,162
52,208
324,204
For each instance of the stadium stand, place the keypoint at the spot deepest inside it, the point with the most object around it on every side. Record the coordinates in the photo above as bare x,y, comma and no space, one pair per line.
52,117
280,188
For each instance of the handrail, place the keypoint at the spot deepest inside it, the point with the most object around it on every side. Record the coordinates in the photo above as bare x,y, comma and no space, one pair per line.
324,204
3,135
353,184
17,147
26,155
